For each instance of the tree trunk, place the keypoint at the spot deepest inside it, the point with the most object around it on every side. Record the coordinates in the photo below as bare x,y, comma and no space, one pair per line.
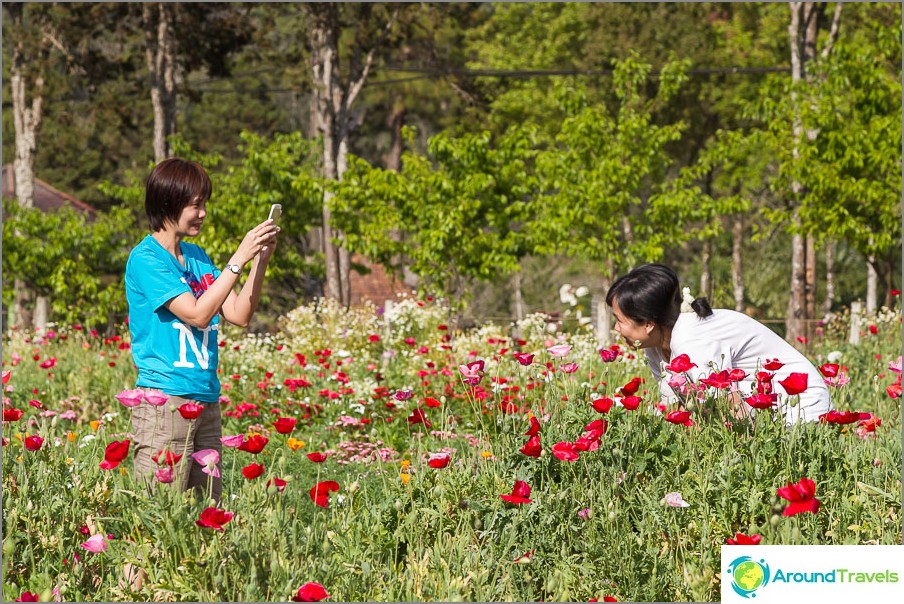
705,276
872,281
737,275
42,312
393,158
803,33
603,312
158,19
796,301
830,279
810,284
27,117
332,102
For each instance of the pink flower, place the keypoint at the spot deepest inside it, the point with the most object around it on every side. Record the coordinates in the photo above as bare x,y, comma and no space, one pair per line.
523,358
584,514
130,398
208,460
166,474
95,543
895,365
155,397
233,442
558,351
675,500
472,372
608,354
569,367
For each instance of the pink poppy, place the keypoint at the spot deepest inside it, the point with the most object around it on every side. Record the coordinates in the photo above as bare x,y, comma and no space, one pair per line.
232,441
523,358
559,350
95,544
130,398
208,460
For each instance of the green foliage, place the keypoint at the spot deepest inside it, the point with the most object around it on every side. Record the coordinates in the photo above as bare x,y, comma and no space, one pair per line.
601,174
72,259
458,211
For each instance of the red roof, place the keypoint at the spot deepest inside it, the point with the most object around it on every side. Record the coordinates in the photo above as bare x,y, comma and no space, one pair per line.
47,198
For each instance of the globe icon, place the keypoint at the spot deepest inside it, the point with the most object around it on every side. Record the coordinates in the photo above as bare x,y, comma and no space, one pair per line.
749,575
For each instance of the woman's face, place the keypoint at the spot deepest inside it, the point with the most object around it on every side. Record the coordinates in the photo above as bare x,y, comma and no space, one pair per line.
632,331
191,218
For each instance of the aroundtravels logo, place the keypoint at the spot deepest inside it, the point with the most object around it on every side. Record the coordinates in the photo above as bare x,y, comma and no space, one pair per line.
748,575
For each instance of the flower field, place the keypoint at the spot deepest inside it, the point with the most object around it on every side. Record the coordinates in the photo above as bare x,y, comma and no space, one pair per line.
391,458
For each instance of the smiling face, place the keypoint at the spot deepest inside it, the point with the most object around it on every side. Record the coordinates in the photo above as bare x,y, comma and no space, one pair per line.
191,219
633,331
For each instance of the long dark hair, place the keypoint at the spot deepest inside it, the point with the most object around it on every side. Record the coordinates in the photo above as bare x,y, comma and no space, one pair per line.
652,292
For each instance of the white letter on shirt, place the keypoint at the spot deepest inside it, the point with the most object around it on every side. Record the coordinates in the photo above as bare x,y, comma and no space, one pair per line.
186,336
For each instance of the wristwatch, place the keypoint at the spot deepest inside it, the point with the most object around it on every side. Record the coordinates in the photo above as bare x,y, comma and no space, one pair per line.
235,268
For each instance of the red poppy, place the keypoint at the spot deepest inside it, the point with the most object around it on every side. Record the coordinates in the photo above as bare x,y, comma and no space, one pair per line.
523,358
896,292
565,451
431,402
718,380
794,383
190,410
320,493
317,457
631,387
252,471
284,425
773,365
742,539
254,444
11,414
588,441
27,596
597,426
33,443
438,460
532,447
115,453
417,417
872,329
5,378
680,364
310,592
894,390
867,427
761,401
534,426
214,518
679,417
169,458
602,405
736,375
279,483
520,493
802,497
842,417
608,354
49,363
829,369
631,402
373,338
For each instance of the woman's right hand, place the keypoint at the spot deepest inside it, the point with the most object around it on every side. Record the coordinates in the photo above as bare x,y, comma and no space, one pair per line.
261,235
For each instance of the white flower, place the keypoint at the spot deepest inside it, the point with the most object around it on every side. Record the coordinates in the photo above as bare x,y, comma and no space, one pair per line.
834,356
675,500
582,291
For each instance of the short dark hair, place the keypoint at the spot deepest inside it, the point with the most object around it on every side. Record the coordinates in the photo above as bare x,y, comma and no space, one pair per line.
652,292
173,184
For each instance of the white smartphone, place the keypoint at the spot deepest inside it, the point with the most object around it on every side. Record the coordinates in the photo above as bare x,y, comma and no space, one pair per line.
275,213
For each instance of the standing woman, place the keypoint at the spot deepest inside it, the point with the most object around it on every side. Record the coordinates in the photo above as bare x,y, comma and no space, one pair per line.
176,295
653,314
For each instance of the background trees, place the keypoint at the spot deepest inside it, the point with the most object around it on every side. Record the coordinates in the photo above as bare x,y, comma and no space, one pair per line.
552,142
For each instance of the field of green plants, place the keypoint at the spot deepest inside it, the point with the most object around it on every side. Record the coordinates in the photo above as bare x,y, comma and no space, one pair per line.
406,460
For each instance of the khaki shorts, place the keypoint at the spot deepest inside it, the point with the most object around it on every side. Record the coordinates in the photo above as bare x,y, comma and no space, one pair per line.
163,428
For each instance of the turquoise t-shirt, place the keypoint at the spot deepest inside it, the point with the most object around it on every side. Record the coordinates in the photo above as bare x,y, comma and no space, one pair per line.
171,355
